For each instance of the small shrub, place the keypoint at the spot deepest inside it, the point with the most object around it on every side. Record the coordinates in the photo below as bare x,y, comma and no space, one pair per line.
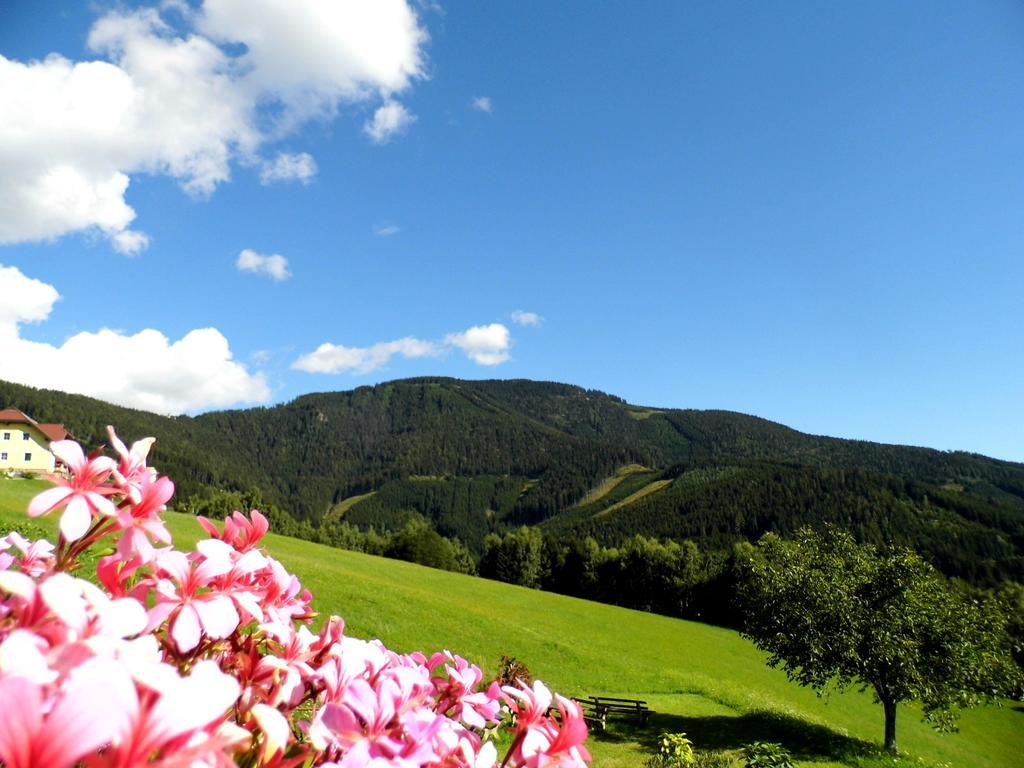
766,754
674,751
511,671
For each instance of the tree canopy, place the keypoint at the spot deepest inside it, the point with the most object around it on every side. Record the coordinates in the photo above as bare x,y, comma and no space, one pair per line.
830,611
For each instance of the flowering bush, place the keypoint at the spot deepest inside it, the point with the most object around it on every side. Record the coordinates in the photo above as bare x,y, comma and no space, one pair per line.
206,659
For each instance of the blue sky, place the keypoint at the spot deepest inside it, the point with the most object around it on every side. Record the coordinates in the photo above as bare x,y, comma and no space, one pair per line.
812,212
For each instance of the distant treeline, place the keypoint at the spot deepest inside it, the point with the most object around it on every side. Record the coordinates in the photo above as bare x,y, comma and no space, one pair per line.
415,541
667,577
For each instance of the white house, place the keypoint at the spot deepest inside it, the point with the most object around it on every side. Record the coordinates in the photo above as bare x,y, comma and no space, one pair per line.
25,443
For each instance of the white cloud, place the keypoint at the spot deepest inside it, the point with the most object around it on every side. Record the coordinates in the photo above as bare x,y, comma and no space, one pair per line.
26,300
483,344
288,167
313,54
274,266
387,230
388,121
334,358
185,105
143,370
130,242
519,317
482,104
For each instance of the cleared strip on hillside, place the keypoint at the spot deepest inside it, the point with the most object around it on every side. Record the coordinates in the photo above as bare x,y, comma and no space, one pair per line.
609,484
338,510
639,414
647,490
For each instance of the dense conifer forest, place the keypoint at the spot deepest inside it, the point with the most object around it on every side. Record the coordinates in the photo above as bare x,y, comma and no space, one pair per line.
480,458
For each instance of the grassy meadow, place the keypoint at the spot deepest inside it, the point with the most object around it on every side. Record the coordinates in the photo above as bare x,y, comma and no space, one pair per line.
706,681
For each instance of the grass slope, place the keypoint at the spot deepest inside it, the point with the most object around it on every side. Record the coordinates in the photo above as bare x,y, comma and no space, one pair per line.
647,490
338,510
703,680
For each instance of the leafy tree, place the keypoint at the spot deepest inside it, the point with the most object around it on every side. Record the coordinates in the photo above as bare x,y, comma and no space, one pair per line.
418,542
829,610
515,558
1011,596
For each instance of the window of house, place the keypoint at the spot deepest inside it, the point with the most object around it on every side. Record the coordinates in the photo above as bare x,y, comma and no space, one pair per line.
28,457
3,457
24,435
7,435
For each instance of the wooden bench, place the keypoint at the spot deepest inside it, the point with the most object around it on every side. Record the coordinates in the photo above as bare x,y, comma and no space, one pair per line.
597,708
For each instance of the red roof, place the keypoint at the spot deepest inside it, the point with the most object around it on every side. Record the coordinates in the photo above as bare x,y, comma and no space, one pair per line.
13,414
51,431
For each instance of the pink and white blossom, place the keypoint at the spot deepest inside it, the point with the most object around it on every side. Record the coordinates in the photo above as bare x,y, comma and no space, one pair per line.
84,494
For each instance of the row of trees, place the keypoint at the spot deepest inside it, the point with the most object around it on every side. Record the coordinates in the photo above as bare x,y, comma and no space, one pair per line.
964,534
668,577
415,541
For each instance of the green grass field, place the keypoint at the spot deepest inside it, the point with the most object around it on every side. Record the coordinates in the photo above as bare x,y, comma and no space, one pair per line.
703,680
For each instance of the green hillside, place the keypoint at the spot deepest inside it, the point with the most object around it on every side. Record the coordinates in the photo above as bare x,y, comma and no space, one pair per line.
480,457
703,680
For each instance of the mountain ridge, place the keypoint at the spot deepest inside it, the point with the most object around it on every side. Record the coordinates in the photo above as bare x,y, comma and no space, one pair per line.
500,453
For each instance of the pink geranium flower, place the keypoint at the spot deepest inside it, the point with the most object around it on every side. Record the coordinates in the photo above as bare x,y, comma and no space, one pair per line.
82,495
240,533
131,469
284,675
457,690
141,520
175,717
33,557
186,597
365,725
541,741
46,728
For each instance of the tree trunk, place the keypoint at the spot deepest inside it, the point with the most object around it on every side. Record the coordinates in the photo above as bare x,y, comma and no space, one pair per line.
890,725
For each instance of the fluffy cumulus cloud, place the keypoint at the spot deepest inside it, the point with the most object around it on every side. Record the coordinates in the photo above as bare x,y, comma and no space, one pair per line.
188,99
482,104
528,319
299,167
25,299
388,121
142,370
483,344
274,266
313,54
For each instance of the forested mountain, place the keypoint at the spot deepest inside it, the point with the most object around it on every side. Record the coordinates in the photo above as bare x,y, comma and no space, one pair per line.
476,457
